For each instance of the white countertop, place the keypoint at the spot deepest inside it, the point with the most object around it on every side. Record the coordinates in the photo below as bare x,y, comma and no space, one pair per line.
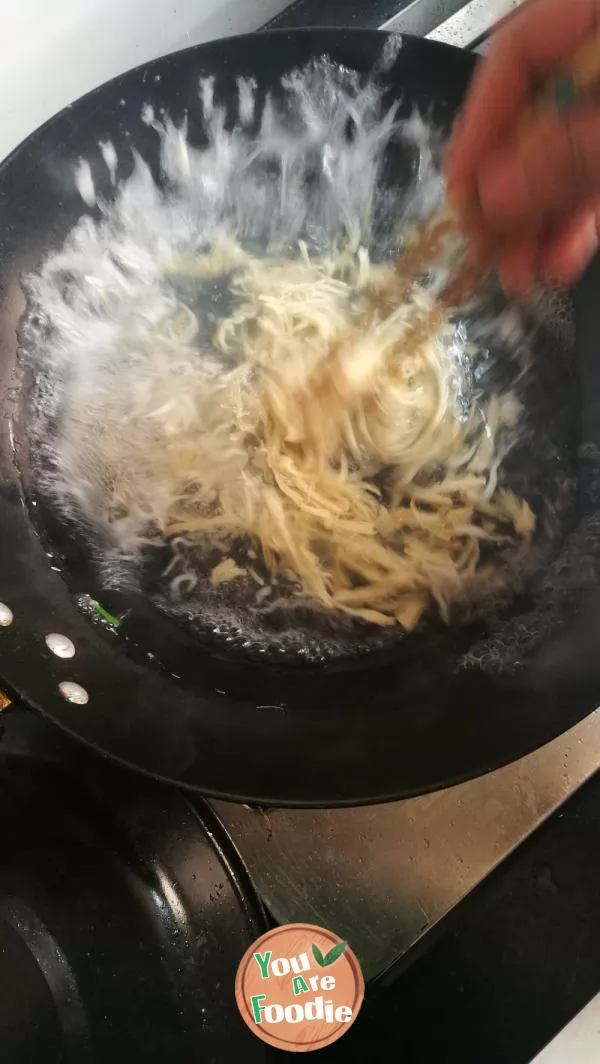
579,1042
53,53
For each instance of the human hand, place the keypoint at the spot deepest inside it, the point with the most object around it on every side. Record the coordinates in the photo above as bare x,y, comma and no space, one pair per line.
537,187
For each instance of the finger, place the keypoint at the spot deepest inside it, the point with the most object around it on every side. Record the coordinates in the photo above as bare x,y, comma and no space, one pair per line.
535,43
549,172
560,258
518,268
566,255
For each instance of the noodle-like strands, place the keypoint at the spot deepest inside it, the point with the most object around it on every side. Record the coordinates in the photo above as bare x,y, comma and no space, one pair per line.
335,443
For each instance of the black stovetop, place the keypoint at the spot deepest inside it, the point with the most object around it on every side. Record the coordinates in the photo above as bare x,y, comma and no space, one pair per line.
511,966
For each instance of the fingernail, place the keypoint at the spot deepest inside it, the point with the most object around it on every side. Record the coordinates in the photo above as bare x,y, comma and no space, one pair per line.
503,190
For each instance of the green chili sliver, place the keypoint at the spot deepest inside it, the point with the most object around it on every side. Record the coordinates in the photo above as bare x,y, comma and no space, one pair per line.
105,614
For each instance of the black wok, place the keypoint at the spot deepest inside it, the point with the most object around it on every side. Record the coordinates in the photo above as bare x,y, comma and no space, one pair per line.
233,727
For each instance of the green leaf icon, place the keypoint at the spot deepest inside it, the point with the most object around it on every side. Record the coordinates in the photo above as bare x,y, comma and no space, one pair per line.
316,952
334,953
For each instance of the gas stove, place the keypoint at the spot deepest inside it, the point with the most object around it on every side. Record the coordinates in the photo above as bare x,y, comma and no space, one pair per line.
386,876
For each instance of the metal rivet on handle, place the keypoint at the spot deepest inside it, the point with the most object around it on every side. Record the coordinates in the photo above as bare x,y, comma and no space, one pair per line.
74,692
60,645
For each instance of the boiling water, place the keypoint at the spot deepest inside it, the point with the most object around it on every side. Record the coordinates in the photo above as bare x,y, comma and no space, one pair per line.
324,162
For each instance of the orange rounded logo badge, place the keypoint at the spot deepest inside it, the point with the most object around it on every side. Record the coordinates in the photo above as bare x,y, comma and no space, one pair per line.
299,987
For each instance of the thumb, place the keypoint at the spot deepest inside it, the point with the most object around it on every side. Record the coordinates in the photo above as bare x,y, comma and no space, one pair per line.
549,169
